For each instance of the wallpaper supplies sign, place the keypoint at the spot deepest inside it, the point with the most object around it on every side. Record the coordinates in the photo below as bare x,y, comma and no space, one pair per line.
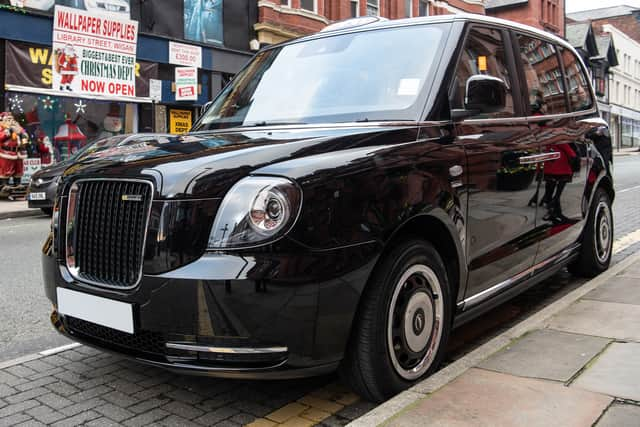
186,83
184,54
94,54
179,121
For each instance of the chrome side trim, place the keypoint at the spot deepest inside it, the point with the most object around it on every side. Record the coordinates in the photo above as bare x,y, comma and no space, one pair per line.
492,291
227,350
526,119
69,255
539,158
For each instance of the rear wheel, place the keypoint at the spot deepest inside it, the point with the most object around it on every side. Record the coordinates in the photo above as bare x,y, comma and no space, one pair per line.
597,238
403,323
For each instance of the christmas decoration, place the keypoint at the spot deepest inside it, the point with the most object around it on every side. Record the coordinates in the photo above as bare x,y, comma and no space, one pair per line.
15,103
68,140
41,144
112,123
13,145
47,102
80,107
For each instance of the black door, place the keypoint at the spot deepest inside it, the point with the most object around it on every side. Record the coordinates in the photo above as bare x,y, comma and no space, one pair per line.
556,108
501,215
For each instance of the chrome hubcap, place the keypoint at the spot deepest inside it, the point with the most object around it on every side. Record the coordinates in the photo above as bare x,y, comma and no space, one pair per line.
415,322
603,231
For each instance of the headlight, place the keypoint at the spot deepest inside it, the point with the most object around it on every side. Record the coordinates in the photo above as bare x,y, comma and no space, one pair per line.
257,210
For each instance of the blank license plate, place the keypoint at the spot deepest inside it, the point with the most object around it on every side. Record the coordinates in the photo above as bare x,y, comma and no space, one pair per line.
102,311
37,196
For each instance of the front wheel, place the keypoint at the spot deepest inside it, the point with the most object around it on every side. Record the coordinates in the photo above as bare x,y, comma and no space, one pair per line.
402,325
597,238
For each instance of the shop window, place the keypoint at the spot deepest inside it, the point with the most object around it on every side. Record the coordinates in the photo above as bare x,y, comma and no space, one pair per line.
483,53
68,124
308,5
544,76
355,8
577,83
373,7
408,8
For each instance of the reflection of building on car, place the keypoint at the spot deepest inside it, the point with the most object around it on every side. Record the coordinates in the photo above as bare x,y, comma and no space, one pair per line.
44,183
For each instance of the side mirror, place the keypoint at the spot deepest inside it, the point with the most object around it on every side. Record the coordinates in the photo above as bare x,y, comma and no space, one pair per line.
485,94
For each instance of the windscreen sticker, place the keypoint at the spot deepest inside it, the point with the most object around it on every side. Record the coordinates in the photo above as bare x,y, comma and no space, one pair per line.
409,87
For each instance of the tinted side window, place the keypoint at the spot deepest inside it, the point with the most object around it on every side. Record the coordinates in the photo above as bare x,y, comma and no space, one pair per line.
577,84
483,53
544,76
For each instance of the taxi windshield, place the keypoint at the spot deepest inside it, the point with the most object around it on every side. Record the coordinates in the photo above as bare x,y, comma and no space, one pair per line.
363,76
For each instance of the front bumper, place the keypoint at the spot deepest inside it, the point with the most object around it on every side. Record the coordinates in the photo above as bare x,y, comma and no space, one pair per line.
209,317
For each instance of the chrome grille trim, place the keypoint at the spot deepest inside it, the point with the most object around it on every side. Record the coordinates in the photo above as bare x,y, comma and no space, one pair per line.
88,220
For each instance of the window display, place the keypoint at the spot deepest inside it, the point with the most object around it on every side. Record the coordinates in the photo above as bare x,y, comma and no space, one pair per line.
59,126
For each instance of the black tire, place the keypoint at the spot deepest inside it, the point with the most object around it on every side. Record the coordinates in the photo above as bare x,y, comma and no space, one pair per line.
375,368
595,249
47,211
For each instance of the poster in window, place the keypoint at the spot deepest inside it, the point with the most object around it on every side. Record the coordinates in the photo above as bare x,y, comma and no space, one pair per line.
203,21
120,8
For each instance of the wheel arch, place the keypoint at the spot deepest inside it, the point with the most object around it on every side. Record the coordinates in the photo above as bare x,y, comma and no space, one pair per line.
438,229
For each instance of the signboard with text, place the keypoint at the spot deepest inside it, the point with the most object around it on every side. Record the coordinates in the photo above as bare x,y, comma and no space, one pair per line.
185,54
93,54
186,83
179,121
31,166
31,66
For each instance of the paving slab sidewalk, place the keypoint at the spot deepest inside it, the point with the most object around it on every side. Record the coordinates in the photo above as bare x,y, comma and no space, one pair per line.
576,364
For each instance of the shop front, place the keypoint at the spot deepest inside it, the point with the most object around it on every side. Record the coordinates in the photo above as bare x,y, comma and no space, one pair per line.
60,114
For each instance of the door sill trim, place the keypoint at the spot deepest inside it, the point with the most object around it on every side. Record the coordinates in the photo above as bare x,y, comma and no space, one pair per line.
481,296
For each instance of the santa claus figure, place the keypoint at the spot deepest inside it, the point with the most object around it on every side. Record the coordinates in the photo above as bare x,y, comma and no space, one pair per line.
67,66
13,143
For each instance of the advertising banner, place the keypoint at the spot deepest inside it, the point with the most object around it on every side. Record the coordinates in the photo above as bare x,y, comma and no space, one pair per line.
203,21
185,54
93,54
186,83
29,65
179,121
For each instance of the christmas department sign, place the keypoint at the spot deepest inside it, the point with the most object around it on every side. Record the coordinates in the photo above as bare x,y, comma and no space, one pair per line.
94,54
186,83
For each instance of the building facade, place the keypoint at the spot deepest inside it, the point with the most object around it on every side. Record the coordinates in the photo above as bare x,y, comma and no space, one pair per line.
599,54
624,93
547,15
218,35
280,20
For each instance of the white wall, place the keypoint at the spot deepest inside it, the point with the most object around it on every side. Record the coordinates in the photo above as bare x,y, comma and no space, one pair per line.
625,88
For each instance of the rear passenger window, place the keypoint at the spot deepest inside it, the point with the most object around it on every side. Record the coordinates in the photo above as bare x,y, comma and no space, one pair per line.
544,76
577,84
483,53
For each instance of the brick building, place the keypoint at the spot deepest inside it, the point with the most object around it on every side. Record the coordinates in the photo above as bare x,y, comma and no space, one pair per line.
624,18
547,15
279,20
